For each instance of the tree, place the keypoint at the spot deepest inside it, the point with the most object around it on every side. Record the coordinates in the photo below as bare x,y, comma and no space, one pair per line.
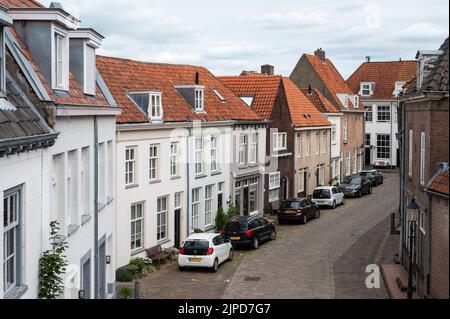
232,211
221,219
52,265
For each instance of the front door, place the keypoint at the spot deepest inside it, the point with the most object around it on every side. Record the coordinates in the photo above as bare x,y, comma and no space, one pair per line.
245,201
102,271
86,278
177,231
367,157
285,189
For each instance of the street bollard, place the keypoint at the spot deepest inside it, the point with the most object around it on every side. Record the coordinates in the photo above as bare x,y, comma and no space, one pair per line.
137,290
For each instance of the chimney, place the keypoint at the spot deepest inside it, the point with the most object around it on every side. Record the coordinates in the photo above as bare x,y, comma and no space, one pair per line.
267,69
368,58
309,90
320,54
56,5
197,78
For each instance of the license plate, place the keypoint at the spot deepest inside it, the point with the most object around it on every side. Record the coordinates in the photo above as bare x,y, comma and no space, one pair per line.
289,212
235,238
195,260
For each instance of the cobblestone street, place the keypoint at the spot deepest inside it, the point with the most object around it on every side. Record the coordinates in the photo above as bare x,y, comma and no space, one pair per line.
324,259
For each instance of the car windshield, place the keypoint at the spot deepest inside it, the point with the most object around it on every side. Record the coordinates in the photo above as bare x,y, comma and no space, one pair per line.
236,225
290,204
321,193
196,244
353,180
369,174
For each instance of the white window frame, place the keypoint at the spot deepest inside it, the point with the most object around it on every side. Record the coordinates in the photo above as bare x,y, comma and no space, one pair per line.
398,88
155,109
253,148
364,87
323,143
199,100
355,161
198,155
279,141
60,60
347,163
345,132
321,171
383,113
209,197
301,178
130,166
410,152
174,159
274,186
162,218
317,144
386,140
308,145
422,157
195,218
134,221
153,162
368,113
356,101
333,134
214,153
243,149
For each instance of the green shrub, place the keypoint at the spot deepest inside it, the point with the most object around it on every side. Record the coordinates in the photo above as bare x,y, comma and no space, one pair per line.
124,275
221,219
140,267
125,293
232,211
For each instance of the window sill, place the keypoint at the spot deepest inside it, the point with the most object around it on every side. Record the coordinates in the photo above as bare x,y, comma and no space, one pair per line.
17,292
131,186
200,176
109,200
281,155
137,251
172,178
164,241
85,219
154,182
72,229
101,206
216,173
253,165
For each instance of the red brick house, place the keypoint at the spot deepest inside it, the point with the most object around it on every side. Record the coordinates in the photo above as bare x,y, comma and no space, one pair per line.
294,121
424,126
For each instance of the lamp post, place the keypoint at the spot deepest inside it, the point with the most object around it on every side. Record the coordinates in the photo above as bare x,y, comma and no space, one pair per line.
412,213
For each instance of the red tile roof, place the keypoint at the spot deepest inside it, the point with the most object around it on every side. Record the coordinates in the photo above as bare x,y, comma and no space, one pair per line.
265,90
440,183
124,76
21,4
320,101
332,79
384,75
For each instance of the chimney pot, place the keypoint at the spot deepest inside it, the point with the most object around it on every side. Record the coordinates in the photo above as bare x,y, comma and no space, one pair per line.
320,54
267,69
368,58
197,78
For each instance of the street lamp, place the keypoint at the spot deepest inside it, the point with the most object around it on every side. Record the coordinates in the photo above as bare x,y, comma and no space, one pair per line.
412,211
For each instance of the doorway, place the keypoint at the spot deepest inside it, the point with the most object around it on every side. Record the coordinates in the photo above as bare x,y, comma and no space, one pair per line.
285,188
102,271
86,278
367,157
245,200
177,231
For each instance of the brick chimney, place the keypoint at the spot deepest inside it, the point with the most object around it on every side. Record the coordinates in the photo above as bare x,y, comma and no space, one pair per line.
320,54
267,69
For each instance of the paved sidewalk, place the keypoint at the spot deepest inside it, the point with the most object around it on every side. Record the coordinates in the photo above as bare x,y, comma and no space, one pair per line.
390,274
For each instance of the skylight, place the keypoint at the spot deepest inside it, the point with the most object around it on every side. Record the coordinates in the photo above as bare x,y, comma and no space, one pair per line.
248,100
220,96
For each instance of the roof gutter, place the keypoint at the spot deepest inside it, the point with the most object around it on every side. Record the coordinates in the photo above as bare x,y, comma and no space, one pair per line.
310,128
442,195
168,125
28,142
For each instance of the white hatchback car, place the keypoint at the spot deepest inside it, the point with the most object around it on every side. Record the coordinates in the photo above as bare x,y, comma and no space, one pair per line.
328,196
204,250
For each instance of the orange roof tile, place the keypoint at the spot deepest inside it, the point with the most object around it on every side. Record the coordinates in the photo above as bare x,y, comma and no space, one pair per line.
265,90
384,75
124,76
21,4
320,101
440,183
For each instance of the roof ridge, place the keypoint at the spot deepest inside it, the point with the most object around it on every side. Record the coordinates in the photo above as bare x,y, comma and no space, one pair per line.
148,62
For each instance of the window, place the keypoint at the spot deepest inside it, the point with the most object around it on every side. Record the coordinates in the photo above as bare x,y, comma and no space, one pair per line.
317,144
11,235
422,158
137,226
367,142
368,115
356,101
321,175
247,100
130,166
323,143
302,179
243,141
252,198
214,154
198,155
161,219
59,61
410,153
347,163
155,106
220,96
199,100
383,113
208,204
150,103
345,132
195,208
308,144
174,159
253,148
366,89
333,134
383,146
274,186
177,200
279,141
299,145
355,161
154,162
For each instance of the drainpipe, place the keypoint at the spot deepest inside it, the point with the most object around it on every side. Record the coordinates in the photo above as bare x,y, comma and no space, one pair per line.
402,176
188,183
96,261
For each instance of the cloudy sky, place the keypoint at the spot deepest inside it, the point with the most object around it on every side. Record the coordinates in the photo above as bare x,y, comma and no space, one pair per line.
229,36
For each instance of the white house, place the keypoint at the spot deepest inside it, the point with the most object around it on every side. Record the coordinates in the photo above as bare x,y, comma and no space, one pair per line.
77,178
379,84
174,149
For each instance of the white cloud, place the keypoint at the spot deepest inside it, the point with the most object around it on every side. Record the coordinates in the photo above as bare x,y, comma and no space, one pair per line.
290,19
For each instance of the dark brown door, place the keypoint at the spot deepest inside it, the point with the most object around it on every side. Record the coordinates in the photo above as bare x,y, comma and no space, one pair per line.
245,201
177,231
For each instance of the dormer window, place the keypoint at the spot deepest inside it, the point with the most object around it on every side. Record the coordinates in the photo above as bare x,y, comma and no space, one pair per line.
60,61
199,101
248,99
150,103
356,101
366,89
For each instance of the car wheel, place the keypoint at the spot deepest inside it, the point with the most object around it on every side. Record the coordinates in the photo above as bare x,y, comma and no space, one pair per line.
334,205
230,255
273,235
255,243
317,213
304,219
180,268
215,266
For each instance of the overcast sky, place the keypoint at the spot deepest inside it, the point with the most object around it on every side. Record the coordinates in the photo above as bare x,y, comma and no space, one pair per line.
229,36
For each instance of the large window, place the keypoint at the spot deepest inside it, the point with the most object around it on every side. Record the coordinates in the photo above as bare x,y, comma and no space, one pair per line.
198,155
302,175
321,175
209,205
422,158
347,163
154,162
367,141
161,219
368,113
130,166
317,144
252,198
383,146
174,159
383,113
243,142
214,154
253,148
246,196
355,161
137,226
345,132
195,208
323,143
410,153
11,236
199,102
279,141
308,144
155,106
274,186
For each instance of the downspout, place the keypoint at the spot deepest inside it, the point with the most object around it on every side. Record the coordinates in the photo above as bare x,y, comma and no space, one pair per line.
188,184
96,261
402,177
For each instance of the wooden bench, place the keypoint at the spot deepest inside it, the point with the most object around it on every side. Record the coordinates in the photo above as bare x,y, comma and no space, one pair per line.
156,253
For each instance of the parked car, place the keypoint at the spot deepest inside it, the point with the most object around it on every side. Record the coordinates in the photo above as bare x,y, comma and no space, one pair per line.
299,209
328,196
356,186
204,250
249,231
375,177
